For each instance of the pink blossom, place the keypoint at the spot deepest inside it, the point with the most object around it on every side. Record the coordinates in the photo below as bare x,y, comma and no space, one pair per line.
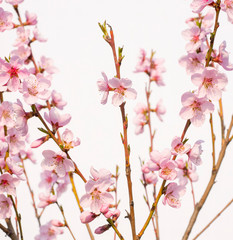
210,83
122,87
3,149
195,36
87,217
144,63
156,76
195,108
68,140
11,73
37,35
102,174
96,194
27,154
35,88
8,184
186,172
7,114
49,232
31,18
57,100
38,142
208,19
62,183
223,57
227,6
160,109
5,20
13,167
46,199
198,5
57,120
15,141
195,153
57,162
48,179
22,36
156,158
167,171
140,121
193,62
103,87
5,207
21,118
178,147
151,178
173,194
23,52
46,64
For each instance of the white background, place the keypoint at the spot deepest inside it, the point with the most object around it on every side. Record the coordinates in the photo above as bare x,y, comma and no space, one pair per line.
76,45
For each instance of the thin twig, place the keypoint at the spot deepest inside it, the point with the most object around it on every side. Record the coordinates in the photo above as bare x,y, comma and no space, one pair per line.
110,221
218,215
212,140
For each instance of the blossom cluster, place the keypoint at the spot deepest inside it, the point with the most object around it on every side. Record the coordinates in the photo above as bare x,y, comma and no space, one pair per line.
202,64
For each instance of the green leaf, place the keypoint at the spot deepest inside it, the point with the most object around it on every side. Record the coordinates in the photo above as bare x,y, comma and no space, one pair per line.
43,130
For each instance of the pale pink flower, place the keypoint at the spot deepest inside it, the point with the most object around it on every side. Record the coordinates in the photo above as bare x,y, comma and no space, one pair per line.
193,62
13,165
15,141
7,114
103,87
8,184
178,147
37,35
210,83
167,171
48,179
68,140
38,142
151,178
5,207
195,153
186,172
156,76
87,217
96,194
5,20
21,118
227,6
11,73
141,118
208,20
160,109
23,36
173,194
49,232
28,154
195,108
195,36
57,162
198,5
102,174
35,88
23,52
144,63
122,87
57,223
57,100
14,2
62,184
46,64
31,18
46,199
57,120
223,57
156,158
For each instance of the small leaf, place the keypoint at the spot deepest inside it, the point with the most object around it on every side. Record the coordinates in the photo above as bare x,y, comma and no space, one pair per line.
43,130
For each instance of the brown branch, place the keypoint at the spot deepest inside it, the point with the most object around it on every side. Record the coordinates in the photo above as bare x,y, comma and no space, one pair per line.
110,221
220,113
213,139
200,204
218,215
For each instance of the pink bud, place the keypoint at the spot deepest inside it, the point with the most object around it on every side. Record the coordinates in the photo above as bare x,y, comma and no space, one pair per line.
102,229
39,142
108,214
87,217
116,214
104,208
57,223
